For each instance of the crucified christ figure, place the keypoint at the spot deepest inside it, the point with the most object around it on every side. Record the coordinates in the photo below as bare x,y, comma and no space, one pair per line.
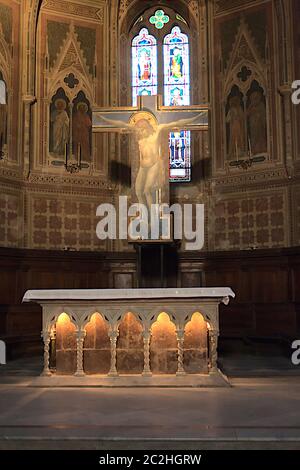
149,177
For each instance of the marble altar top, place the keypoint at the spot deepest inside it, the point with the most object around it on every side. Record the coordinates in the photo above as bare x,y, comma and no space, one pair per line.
126,294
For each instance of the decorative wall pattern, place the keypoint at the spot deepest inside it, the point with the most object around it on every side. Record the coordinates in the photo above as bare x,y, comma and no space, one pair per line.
56,34
296,17
296,212
225,5
87,40
85,11
6,22
64,223
11,220
251,220
81,59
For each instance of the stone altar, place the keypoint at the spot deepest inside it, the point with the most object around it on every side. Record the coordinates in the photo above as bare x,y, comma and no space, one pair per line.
132,337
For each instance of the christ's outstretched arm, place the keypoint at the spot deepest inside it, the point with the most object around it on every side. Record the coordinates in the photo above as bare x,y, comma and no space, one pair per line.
179,124
116,122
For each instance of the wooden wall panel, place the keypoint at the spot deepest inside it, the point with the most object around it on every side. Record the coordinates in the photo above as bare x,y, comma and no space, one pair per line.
266,283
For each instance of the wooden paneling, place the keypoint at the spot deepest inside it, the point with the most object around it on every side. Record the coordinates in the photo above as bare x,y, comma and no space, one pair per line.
266,283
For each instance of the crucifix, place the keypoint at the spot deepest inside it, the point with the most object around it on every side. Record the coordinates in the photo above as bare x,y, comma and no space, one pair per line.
149,123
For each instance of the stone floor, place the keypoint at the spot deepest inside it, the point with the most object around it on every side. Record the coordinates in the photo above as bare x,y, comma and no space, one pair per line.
261,410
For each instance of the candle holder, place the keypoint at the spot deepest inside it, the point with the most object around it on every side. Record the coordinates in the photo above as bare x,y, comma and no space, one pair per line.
73,164
73,168
245,164
248,162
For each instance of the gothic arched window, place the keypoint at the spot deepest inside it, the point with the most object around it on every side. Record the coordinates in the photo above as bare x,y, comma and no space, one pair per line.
161,64
144,65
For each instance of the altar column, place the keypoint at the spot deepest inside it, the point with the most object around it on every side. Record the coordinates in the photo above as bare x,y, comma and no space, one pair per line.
113,336
80,335
46,338
213,350
180,339
147,336
52,347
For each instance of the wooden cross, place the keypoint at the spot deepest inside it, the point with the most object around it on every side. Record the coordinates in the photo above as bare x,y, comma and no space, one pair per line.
150,123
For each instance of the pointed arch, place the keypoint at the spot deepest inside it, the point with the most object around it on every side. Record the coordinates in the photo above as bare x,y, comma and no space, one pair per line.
130,344
138,8
91,313
163,309
96,348
195,344
163,345
247,125
53,318
160,63
70,61
144,65
176,54
177,92
30,52
65,344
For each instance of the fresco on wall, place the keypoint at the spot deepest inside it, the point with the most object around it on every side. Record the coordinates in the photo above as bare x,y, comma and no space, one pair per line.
59,123
6,22
246,122
257,25
235,124
257,120
82,126
87,40
3,112
56,34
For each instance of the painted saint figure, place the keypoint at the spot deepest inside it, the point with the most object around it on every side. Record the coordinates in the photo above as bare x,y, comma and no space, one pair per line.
144,65
82,126
236,120
176,97
150,174
257,122
176,64
61,127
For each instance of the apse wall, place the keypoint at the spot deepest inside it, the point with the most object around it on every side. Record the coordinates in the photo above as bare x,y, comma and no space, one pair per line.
69,56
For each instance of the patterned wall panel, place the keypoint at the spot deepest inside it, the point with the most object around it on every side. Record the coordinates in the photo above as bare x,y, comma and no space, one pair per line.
72,8
63,223
251,221
11,220
222,6
296,215
297,70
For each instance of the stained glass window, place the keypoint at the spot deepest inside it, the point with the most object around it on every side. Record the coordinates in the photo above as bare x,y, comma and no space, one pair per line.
177,93
144,65
180,156
159,19
175,70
